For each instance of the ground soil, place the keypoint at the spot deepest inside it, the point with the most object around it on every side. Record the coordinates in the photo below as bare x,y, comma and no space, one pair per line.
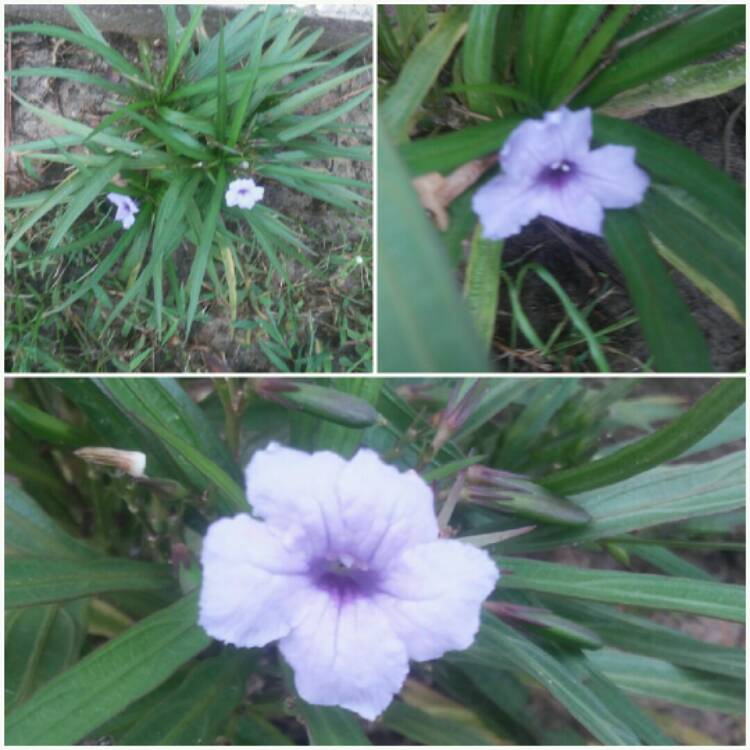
213,345
584,266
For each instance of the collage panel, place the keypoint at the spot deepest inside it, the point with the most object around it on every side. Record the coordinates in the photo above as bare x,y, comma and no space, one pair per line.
352,561
189,188
561,188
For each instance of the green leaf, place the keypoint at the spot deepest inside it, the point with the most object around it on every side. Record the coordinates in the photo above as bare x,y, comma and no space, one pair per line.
665,494
202,253
114,58
497,638
198,710
655,678
230,496
30,531
164,401
425,729
419,73
327,725
695,245
688,84
70,74
642,635
186,37
661,446
40,642
673,337
721,600
423,325
41,425
478,55
482,283
40,580
105,681
718,28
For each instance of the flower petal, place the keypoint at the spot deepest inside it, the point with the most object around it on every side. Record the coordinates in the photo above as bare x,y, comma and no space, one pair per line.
571,204
293,490
433,595
345,654
251,583
380,510
505,206
611,175
537,144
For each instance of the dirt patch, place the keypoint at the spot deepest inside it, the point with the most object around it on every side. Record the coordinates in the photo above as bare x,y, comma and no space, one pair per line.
585,269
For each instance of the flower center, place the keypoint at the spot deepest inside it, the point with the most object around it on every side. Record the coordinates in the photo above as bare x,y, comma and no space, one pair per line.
243,191
344,577
557,173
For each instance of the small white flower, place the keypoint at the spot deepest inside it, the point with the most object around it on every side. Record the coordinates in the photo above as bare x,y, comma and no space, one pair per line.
360,260
243,193
127,208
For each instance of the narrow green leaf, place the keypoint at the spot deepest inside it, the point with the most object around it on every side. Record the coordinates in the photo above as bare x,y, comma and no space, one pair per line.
198,710
205,243
665,444
423,325
718,28
230,496
315,122
419,73
221,89
114,58
196,14
104,682
642,635
30,531
70,74
482,284
40,642
723,601
327,725
41,425
40,580
478,55
674,338
655,678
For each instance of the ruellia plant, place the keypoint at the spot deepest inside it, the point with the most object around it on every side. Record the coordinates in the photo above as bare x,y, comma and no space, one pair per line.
194,137
366,561
494,115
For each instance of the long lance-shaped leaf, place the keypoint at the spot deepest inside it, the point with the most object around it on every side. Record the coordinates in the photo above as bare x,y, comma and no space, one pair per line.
41,580
674,338
661,446
104,682
420,72
205,243
723,601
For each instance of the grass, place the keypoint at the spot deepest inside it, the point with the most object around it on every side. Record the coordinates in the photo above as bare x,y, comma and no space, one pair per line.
249,318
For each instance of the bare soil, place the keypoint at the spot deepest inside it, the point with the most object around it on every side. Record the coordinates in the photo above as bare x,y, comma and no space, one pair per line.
584,267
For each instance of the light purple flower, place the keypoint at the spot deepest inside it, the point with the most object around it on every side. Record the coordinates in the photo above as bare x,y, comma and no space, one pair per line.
127,208
348,573
549,170
243,193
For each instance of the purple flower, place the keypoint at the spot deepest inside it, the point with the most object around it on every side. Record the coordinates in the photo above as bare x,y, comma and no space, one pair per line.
348,573
243,193
127,208
549,170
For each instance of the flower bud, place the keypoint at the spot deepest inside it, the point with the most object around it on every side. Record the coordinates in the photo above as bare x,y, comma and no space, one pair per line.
515,493
128,462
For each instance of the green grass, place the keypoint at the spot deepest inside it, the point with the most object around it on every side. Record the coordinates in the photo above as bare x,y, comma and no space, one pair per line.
251,316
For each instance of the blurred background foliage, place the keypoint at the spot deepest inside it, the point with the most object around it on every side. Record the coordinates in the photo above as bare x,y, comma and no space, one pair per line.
453,83
615,509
